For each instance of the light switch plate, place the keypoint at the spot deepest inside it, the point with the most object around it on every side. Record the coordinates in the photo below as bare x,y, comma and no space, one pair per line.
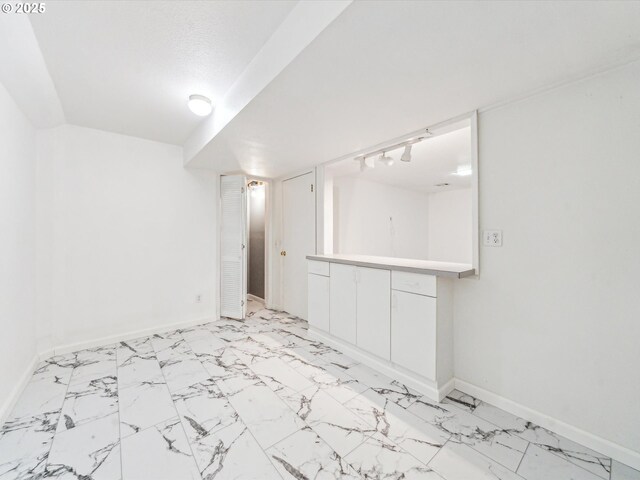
492,238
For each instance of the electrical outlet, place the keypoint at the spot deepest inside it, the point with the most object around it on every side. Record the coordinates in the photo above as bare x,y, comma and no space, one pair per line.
492,238
199,298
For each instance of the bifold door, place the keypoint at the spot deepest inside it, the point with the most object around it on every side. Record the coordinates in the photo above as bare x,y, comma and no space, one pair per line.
233,242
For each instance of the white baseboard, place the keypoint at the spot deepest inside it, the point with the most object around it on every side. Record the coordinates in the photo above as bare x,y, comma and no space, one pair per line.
11,400
425,387
14,395
599,444
108,340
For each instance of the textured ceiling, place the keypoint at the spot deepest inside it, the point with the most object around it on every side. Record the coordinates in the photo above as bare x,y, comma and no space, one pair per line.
128,67
384,69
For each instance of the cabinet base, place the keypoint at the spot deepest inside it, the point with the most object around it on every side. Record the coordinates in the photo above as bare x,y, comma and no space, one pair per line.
424,386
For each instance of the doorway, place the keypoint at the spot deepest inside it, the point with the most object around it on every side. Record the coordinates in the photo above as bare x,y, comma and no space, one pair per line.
256,220
298,240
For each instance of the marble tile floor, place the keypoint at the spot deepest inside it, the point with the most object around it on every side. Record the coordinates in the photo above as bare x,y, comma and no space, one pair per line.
258,399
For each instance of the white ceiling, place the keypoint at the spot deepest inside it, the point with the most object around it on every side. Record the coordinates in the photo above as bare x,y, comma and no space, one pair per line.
128,67
433,162
383,69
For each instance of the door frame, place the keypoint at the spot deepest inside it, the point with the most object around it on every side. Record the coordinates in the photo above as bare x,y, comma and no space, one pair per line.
268,244
267,234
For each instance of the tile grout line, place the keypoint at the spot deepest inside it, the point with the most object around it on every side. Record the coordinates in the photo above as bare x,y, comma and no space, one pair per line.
520,462
230,404
433,458
455,408
311,426
55,432
173,403
306,424
498,427
119,404
264,450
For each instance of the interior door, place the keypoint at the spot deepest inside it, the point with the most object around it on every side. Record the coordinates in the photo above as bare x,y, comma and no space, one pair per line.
233,241
298,240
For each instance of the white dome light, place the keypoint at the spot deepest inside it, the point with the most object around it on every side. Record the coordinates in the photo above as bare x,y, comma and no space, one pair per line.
200,105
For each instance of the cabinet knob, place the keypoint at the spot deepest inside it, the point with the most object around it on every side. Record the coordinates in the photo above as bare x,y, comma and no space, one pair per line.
283,253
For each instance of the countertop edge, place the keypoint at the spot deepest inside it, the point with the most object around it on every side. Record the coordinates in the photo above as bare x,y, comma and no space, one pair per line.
400,268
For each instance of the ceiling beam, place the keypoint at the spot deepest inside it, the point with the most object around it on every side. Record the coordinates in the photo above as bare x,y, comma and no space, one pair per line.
24,73
305,22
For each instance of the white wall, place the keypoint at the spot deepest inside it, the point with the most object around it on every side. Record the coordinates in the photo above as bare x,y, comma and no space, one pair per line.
17,247
126,236
450,226
362,225
553,322
429,226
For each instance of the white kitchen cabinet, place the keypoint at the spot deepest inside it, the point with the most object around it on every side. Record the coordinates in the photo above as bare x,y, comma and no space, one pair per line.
413,332
414,283
343,302
373,316
397,322
318,311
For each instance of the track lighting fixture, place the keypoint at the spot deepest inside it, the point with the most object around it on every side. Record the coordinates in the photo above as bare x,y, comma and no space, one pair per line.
366,162
385,159
406,155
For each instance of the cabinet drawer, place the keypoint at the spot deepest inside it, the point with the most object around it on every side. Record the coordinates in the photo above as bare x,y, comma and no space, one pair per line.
319,268
414,283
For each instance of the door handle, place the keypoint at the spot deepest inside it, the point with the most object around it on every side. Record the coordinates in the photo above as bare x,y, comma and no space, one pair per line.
283,253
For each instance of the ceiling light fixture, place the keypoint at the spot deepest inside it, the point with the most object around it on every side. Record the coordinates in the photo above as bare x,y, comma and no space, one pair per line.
406,155
366,162
385,159
200,105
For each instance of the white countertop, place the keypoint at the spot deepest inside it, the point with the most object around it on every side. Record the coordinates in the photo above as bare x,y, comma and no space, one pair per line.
442,269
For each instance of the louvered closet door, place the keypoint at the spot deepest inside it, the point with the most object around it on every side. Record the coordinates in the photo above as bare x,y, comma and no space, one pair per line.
233,252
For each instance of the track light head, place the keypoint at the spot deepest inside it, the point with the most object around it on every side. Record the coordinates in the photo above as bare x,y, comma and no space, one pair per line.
385,160
406,155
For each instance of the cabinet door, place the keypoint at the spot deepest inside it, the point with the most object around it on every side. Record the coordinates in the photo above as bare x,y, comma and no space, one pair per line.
319,301
374,311
413,332
342,302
